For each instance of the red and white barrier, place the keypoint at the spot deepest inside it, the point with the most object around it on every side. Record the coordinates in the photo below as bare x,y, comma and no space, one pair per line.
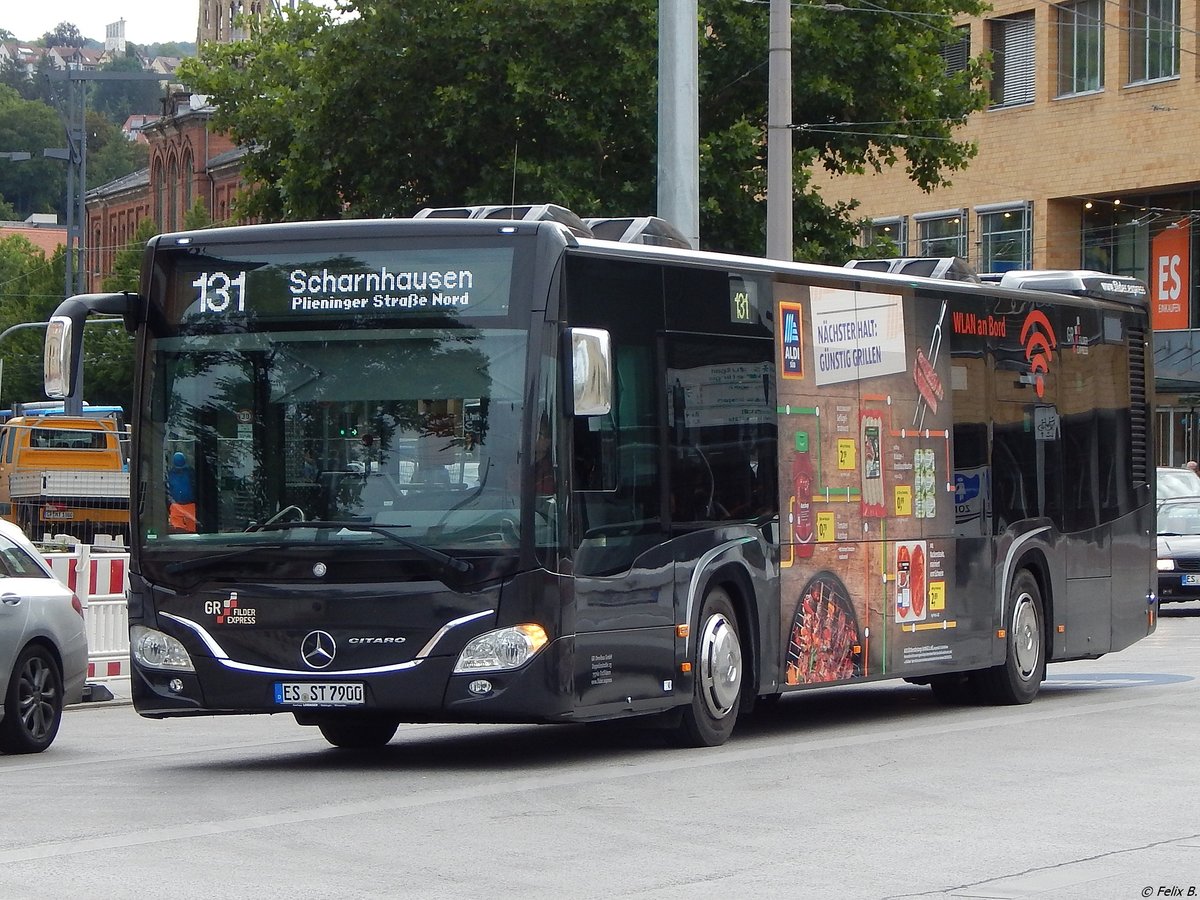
99,580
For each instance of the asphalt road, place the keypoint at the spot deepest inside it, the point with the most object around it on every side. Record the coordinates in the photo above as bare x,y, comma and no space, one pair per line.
867,792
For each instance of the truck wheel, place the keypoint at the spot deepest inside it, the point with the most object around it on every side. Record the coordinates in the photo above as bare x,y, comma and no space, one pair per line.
33,705
717,672
1019,677
358,734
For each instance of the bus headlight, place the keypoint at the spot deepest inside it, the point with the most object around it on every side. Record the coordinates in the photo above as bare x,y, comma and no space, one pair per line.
1166,565
504,648
156,650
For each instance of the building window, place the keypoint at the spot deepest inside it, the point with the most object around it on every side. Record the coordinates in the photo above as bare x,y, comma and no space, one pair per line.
1080,47
1116,239
1005,238
957,49
1012,59
1153,39
893,230
942,234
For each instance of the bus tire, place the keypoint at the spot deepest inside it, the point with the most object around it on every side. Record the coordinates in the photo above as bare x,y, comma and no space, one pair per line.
1019,677
33,704
717,671
358,734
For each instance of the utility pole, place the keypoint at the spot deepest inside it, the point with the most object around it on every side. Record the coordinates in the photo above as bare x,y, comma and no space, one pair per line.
75,121
779,132
679,117
76,156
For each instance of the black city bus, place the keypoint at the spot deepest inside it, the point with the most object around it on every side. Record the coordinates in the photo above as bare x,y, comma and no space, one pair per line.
495,470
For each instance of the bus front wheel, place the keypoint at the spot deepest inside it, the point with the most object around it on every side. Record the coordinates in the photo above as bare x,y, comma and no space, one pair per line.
717,674
1018,678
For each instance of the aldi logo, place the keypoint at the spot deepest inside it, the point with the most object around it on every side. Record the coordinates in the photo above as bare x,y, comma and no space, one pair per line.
791,347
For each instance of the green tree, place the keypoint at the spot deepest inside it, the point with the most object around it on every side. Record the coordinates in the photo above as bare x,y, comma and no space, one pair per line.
127,263
8,212
109,154
31,286
65,34
117,100
108,350
508,114
197,217
35,185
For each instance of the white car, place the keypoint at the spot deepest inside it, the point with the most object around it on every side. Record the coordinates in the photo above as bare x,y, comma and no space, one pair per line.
1177,483
43,646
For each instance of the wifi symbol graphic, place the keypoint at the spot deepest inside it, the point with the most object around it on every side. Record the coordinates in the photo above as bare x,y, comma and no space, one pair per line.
1037,337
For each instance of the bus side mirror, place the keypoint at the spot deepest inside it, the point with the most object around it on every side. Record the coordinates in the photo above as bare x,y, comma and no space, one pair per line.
58,370
64,336
591,371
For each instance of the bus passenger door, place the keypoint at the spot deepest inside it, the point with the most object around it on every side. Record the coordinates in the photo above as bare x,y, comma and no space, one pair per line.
623,565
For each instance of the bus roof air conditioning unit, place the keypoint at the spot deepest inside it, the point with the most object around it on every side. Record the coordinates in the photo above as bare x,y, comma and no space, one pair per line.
950,268
539,212
639,230
1079,282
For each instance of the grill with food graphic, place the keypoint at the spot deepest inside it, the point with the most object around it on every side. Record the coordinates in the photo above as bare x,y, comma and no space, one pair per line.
824,644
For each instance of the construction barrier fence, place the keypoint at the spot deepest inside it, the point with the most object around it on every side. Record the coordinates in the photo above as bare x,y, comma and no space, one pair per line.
99,579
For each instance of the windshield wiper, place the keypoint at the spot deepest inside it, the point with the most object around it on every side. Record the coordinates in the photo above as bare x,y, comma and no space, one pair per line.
450,562
186,565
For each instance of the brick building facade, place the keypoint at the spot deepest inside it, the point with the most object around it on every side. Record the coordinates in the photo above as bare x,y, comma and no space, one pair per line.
1085,161
188,162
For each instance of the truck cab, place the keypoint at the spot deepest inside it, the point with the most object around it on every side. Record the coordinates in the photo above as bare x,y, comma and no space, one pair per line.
64,474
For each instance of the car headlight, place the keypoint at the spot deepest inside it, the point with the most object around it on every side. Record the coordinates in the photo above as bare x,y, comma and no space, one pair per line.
1166,565
504,648
156,650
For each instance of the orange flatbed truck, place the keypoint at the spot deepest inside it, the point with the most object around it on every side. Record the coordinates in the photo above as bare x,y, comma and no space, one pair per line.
64,474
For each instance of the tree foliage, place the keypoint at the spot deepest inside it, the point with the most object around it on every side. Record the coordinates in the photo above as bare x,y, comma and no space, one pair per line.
487,101
31,286
117,100
65,34
109,154
35,185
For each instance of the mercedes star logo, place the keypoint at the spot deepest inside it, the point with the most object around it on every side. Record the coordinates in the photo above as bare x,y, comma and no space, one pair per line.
318,649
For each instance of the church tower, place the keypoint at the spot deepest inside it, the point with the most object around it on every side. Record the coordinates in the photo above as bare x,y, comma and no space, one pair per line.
217,18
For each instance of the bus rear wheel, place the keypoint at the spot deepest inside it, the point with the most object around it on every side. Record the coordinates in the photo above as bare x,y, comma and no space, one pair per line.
1019,677
717,675
358,734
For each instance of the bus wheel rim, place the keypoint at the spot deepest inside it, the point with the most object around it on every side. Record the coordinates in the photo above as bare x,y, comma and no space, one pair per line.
720,665
1026,636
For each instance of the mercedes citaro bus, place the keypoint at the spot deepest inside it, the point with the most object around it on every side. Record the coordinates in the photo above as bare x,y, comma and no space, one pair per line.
489,468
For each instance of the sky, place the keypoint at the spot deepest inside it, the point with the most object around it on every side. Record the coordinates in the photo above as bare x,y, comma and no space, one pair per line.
146,21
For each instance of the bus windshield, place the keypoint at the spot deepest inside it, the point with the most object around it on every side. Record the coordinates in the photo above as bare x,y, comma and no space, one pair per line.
247,435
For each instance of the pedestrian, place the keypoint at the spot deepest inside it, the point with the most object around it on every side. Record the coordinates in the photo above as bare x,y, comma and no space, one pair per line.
1194,466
